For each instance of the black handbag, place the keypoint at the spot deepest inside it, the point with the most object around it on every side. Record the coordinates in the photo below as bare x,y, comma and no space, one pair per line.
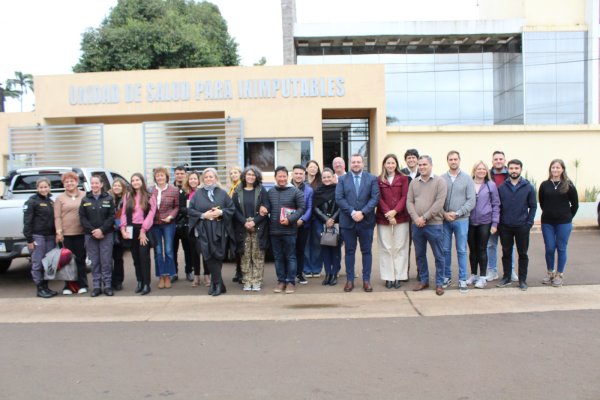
330,237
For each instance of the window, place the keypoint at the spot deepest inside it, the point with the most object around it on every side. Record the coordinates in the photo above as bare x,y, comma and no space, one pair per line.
267,155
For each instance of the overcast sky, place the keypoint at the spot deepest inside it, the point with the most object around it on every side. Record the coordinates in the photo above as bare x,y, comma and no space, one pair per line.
42,37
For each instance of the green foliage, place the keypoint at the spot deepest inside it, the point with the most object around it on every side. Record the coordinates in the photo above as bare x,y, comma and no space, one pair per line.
152,34
10,92
23,81
591,194
261,62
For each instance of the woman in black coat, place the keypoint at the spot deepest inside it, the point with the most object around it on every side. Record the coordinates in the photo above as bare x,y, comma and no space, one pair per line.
251,228
327,212
210,220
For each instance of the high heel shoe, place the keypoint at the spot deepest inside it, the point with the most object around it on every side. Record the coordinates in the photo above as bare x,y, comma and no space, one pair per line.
196,281
206,280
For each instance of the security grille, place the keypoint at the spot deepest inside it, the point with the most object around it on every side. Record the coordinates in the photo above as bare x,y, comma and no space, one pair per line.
198,144
56,145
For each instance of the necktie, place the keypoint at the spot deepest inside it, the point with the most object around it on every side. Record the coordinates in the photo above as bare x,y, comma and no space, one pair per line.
211,195
356,183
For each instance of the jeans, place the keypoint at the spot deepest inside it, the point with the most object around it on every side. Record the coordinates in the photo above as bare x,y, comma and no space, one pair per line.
434,235
365,238
492,252
284,253
301,240
509,236
478,240
556,239
313,262
460,230
163,252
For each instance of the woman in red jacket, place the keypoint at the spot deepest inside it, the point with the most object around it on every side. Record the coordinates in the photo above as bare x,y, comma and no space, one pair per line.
392,223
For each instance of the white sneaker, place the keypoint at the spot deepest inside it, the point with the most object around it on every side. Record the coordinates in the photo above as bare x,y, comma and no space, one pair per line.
472,279
462,286
82,290
67,291
514,277
481,283
256,288
491,275
247,287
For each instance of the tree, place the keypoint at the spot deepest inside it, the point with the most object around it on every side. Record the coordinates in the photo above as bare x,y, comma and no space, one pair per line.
23,82
261,62
12,93
152,34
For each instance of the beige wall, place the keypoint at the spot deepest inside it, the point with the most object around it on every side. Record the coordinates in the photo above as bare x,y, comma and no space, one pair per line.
546,13
268,118
535,146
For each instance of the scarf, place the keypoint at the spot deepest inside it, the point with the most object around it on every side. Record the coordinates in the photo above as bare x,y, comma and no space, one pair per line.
211,191
323,194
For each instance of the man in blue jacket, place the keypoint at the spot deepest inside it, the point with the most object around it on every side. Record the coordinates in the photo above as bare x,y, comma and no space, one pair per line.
357,195
517,212
298,180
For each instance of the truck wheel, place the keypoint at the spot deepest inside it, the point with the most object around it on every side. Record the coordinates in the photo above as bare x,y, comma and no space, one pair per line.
4,264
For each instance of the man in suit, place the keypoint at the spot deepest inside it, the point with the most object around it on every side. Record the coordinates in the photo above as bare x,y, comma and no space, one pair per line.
357,195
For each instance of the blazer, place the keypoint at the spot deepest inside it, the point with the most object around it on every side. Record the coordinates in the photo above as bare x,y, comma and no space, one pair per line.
348,201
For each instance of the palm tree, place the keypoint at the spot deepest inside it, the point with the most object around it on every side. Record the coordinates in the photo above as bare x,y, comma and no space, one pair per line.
13,94
23,82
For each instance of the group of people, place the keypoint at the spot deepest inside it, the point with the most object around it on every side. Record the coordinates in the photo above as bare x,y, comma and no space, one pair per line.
305,221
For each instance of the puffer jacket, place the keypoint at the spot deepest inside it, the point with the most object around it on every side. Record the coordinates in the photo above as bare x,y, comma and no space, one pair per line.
288,197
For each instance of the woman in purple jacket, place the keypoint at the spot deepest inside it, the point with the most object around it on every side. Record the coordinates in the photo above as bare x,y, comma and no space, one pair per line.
483,221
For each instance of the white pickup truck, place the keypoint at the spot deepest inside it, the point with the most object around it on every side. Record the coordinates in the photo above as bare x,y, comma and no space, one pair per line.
19,185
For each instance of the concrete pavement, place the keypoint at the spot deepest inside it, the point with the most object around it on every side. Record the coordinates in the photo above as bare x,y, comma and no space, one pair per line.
282,307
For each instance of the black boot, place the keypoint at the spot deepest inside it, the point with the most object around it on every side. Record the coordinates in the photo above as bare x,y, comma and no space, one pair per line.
145,290
139,287
211,288
43,292
326,280
52,292
218,289
333,280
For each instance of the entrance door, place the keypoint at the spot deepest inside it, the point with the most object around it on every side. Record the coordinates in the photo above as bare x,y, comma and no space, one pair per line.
344,137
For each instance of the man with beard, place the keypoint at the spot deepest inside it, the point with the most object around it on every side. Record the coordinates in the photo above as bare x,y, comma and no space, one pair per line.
357,195
460,200
517,195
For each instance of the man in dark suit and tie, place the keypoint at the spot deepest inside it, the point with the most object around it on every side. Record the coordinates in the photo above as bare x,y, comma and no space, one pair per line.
357,195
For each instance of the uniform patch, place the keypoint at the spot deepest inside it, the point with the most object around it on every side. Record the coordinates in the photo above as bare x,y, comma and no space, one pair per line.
87,204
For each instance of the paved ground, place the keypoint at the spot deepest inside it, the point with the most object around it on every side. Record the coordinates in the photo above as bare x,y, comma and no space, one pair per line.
550,355
583,268
318,343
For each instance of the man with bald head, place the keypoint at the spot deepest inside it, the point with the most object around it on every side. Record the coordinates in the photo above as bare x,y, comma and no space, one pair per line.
339,167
